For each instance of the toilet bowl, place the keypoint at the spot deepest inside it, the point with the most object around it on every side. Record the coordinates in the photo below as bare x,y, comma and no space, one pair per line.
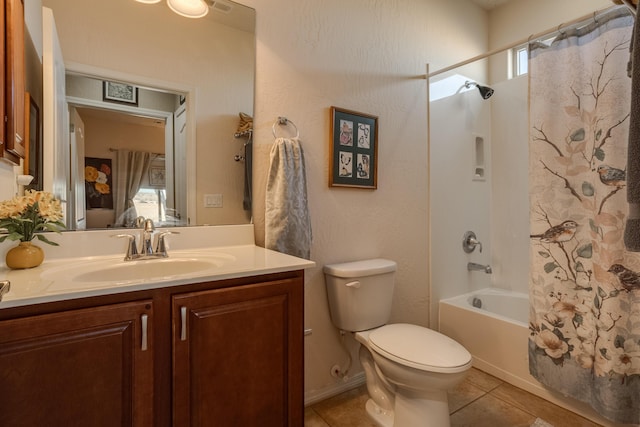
417,366
408,368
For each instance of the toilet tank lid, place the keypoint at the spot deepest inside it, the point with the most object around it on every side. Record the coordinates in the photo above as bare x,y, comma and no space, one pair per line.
368,267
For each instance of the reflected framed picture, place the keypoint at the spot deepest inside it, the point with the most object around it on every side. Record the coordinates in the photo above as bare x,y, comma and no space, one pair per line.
354,149
157,177
120,92
98,183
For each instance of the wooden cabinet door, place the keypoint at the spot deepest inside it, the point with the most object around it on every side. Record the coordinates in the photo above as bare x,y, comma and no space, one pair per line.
3,113
15,81
238,356
86,367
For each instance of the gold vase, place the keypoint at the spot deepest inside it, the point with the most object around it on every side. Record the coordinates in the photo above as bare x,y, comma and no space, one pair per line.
25,255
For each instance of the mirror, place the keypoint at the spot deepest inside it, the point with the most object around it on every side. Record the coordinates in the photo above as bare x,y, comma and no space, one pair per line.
109,124
206,67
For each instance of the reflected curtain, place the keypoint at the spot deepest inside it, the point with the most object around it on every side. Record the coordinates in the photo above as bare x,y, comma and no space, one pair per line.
584,286
130,169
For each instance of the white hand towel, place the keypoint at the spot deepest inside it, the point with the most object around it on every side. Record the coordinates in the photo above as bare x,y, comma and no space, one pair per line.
287,221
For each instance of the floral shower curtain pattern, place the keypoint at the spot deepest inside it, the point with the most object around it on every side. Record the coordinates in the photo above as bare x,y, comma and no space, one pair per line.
584,286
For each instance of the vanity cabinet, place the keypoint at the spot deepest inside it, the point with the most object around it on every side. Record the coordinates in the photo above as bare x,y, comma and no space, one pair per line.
91,367
13,82
225,353
238,356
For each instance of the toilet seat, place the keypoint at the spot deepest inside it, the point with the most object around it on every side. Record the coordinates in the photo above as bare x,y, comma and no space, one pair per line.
420,348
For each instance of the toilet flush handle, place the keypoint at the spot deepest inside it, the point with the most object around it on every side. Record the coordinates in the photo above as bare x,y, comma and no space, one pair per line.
355,284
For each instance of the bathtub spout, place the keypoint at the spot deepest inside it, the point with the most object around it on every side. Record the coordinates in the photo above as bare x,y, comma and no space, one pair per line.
472,266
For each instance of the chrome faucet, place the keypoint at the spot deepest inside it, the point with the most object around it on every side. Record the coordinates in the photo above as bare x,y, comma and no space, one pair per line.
145,239
472,266
146,250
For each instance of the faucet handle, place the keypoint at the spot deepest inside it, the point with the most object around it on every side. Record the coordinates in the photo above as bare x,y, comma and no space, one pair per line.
469,242
161,242
5,287
475,243
132,248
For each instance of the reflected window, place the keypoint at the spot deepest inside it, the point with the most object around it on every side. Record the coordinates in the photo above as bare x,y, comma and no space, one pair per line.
151,203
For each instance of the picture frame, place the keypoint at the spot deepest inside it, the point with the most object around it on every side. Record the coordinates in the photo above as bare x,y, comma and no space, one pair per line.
119,92
32,164
354,149
157,176
98,183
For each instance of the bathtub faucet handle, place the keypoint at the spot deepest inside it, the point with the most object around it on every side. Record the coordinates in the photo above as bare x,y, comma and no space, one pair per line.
469,242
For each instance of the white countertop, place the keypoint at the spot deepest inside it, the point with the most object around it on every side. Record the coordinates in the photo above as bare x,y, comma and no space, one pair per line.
45,283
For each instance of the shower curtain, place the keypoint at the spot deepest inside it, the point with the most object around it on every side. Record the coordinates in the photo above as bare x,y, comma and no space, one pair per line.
584,286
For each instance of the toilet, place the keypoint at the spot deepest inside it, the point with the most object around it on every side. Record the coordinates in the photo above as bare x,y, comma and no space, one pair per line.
408,368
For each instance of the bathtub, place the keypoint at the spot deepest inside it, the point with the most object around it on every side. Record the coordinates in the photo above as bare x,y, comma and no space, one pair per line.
493,324
495,330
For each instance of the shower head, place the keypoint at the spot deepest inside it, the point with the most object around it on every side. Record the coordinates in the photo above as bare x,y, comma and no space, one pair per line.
485,91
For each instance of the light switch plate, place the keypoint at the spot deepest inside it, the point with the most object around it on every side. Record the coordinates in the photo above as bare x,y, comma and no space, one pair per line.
213,200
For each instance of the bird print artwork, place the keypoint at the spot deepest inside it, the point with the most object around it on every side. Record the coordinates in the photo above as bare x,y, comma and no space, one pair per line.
629,279
612,176
558,233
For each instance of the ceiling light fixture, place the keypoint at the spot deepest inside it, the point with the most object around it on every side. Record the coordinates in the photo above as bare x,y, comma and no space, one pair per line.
186,8
189,8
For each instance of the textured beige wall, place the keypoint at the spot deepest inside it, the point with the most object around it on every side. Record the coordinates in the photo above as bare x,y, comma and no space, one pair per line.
366,56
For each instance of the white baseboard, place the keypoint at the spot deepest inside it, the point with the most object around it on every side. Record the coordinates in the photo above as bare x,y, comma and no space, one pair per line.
315,396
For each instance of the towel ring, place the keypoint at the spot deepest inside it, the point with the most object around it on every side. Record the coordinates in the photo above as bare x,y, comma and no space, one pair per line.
283,121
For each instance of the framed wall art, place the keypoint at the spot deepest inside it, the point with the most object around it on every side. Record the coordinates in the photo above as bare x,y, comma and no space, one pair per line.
354,149
120,92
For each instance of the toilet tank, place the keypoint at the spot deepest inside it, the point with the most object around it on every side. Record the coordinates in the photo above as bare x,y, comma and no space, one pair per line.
360,293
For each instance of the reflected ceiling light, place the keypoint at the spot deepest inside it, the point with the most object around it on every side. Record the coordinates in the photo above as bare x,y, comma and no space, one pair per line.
149,1
189,8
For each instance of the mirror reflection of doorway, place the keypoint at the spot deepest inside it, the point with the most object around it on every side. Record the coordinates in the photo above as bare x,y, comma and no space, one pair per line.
99,130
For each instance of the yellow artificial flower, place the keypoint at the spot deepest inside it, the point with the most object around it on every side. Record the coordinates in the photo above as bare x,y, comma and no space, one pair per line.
24,217
90,174
102,188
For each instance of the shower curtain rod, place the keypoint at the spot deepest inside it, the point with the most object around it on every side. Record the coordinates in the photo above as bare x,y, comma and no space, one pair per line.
519,42
150,152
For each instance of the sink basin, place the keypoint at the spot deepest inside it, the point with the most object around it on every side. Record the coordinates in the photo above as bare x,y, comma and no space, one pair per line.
115,271
140,270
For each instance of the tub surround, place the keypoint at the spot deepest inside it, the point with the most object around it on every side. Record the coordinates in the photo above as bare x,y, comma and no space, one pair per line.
153,351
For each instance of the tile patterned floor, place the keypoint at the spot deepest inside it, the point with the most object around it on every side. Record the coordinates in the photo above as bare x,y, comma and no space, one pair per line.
480,401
